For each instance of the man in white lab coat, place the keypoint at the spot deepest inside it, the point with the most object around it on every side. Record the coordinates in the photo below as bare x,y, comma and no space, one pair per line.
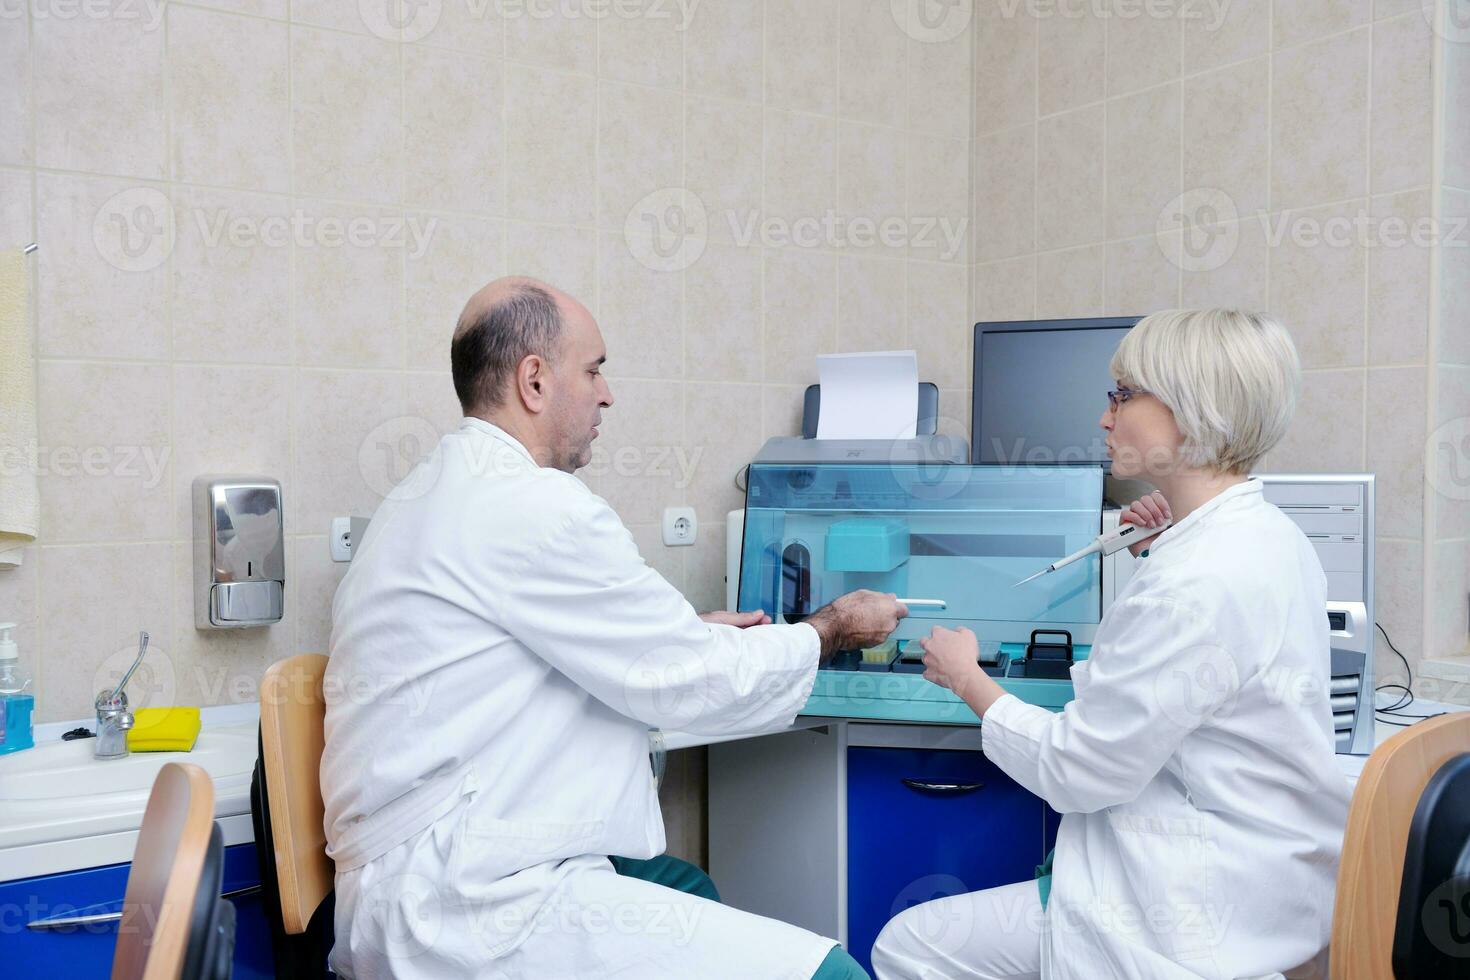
499,653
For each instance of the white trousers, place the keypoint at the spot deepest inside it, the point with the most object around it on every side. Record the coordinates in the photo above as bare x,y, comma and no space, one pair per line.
986,935
423,911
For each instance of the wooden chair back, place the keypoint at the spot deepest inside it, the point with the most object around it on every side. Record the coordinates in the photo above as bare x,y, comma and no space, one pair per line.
291,714
163,881
1372,867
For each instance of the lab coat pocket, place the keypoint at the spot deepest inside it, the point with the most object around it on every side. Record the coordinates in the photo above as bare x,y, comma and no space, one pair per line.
503,847
1169,889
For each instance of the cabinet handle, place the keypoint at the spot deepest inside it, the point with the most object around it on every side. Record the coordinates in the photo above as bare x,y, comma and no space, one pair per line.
75,921
946,789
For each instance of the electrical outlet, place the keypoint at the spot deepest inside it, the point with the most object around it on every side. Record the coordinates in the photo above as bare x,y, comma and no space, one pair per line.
681,527
340,539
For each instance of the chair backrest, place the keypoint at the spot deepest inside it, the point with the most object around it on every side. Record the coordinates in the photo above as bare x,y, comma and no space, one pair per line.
1372,866
291,713
1430,938
164,880
210,951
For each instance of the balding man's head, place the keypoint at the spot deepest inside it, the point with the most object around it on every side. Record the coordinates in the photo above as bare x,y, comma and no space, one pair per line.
501,324
529,357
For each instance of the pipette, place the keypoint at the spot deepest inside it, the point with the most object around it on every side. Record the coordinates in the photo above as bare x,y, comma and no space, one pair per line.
1105,544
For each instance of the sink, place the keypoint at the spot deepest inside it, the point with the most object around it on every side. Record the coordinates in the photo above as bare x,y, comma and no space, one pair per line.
66,770
61,809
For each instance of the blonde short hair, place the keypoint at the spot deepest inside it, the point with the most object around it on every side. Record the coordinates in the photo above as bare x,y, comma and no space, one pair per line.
1229,377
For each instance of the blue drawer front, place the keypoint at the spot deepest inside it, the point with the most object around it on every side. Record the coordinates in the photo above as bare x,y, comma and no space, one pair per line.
906,846
87,951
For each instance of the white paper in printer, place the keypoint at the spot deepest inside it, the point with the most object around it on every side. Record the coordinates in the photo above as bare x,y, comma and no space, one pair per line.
868,396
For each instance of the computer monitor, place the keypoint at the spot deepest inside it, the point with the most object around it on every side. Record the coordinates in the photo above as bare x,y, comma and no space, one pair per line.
1039,387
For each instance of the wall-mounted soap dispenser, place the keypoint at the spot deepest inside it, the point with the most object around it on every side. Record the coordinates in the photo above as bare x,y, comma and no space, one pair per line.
239,552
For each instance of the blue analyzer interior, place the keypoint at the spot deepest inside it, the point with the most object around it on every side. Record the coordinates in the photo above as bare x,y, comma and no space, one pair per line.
964,534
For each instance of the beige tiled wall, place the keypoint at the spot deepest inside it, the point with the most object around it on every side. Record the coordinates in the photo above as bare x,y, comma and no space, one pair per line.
1095,134
1447,552
517,143
150,151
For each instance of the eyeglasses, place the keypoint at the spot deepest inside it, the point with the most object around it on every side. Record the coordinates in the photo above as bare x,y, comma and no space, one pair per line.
1120,395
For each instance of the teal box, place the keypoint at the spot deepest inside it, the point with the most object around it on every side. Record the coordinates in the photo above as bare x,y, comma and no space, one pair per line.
867,544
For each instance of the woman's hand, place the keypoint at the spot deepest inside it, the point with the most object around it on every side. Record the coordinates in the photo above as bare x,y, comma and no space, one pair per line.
952,660
1150,511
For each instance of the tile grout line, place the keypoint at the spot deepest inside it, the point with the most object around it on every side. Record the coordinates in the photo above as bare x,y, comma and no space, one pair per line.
170,326
34,282
293,393
1035,125
1439,85
1183,141
1270,135
1368,257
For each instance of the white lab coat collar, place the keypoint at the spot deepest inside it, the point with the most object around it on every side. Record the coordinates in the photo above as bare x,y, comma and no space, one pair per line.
1250,488
490,428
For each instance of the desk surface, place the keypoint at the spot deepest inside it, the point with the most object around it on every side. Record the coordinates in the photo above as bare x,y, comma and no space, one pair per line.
1351,765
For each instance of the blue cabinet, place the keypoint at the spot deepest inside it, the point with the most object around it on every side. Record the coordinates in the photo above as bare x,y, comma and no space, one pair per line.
86,951
837,829
925,824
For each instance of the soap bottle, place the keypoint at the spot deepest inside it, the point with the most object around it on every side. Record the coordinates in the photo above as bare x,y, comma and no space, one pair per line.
16,699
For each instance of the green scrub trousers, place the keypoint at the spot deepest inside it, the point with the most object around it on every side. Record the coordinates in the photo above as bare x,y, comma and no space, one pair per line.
674,873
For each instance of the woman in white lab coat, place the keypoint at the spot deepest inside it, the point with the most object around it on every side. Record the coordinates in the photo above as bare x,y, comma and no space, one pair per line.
1202,807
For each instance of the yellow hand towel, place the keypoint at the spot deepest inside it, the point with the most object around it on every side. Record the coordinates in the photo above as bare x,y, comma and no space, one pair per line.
19,499
164,730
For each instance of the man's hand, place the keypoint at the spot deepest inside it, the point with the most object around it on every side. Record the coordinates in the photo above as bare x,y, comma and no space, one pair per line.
857,620
740,619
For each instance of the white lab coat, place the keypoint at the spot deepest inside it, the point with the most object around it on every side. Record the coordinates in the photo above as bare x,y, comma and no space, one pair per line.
499,653
1203,808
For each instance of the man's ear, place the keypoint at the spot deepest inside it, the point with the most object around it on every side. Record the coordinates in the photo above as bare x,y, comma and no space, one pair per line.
532,377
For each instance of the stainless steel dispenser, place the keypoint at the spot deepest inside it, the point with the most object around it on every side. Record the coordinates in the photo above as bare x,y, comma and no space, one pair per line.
239,552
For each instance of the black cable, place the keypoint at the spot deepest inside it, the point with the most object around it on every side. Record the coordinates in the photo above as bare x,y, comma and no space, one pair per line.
1404,700
1408,671
1409,724
1396,710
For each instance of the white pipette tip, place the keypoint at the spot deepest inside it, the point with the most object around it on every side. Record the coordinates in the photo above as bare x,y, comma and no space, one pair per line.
1032,578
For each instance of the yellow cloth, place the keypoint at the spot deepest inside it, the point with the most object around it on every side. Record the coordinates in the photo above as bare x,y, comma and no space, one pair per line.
164,730
20,510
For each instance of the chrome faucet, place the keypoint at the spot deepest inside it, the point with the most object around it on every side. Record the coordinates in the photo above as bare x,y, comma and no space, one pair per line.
113,717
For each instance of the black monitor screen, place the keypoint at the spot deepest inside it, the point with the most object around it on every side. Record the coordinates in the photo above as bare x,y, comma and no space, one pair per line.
1039,389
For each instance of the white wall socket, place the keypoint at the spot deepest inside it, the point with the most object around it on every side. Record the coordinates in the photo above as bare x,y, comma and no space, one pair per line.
681,527
340,539
345,536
